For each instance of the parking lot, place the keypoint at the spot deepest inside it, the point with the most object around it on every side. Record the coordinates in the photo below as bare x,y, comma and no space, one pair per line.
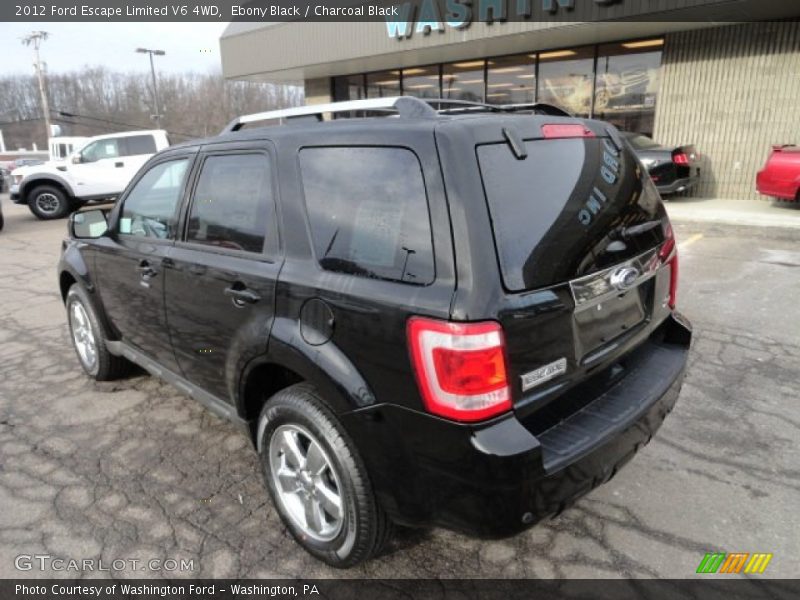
136,470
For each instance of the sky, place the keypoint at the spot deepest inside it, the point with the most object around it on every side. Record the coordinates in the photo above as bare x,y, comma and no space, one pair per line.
188,46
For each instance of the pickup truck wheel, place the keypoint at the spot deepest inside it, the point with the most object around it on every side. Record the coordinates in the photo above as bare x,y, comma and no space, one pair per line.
89,338
48,202
317,480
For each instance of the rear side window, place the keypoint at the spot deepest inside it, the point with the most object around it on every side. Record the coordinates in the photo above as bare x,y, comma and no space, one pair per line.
233,205
139,144
368,212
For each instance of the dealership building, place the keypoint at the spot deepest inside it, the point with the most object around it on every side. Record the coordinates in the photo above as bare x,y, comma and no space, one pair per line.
683,71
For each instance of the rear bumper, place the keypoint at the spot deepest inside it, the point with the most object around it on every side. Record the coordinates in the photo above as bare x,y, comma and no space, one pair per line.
767,185
498,479
678,185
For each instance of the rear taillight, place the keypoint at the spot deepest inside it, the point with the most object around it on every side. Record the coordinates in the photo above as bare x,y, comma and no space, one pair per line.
669,256
565,130
460,368
680,158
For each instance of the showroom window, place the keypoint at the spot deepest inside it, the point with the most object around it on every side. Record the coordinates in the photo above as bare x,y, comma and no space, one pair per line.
463,80
422,82
627,84
383,84
615,82
566,79
511,79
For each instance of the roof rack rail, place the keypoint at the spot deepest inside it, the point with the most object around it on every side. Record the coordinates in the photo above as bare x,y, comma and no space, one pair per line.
404,106
543,107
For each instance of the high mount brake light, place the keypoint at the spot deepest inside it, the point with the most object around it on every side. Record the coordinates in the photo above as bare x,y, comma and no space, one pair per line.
566,130
460,368
669,256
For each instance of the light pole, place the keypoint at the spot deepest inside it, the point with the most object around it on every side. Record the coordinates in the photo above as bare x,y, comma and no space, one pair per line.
156,116
35,39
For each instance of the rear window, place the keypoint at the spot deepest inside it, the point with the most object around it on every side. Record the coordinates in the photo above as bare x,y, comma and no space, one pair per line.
368,212
556,213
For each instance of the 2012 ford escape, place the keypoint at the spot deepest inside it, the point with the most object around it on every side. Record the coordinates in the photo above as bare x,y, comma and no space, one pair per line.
461,317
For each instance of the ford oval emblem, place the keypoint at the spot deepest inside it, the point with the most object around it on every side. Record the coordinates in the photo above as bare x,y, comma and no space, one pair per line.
624,278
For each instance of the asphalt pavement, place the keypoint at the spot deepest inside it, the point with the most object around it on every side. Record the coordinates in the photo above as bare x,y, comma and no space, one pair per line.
135,470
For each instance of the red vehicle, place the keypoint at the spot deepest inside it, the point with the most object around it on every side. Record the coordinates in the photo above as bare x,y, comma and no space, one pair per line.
780,177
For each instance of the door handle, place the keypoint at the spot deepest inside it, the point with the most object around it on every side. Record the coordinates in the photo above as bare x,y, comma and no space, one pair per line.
241,295
119,164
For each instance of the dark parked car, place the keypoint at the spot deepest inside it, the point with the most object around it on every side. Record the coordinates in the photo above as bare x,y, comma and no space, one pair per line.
461,317
673,169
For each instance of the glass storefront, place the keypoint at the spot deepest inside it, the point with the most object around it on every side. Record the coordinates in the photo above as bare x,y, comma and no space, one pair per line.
627,84
383,84
511,80
422,82
463,81
614,82
565,79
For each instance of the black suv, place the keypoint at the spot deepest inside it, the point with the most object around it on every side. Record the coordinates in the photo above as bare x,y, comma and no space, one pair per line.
461,317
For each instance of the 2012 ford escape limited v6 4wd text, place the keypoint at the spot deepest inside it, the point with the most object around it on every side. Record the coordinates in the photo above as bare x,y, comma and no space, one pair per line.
462,317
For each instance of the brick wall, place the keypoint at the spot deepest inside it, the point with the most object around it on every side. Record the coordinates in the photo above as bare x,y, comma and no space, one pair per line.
733,91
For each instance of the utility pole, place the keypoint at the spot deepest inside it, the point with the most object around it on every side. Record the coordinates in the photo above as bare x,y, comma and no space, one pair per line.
156,116
35,39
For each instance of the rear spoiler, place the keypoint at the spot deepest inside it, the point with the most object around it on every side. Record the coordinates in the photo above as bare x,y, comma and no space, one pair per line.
780,147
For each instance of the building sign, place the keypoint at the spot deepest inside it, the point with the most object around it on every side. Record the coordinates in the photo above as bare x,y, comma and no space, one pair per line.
425,16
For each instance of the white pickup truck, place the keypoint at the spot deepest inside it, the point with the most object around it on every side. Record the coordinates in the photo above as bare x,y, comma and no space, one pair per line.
100,170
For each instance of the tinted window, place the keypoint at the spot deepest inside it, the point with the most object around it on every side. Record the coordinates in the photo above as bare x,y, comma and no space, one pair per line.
368,212
555,214
139,144
101,149
149,209
232,204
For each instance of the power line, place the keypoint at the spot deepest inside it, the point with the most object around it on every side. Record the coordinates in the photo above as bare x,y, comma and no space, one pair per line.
69,114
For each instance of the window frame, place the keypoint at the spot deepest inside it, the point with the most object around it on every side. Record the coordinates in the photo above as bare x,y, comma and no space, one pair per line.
120,206
307,220
272,248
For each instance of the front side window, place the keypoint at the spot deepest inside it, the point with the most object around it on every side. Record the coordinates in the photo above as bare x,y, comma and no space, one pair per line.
150,207
368,212
233,204
100,149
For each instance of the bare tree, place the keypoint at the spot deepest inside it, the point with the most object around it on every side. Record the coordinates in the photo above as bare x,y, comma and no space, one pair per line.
96,100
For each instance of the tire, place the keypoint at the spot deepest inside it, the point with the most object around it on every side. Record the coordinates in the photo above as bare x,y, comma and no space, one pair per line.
48,202
89,338
362,528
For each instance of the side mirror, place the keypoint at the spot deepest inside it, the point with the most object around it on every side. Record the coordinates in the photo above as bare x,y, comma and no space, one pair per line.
88,224
76,159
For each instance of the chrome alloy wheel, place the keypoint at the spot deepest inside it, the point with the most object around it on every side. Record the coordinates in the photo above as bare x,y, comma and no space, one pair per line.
306,482
48,203
82,335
